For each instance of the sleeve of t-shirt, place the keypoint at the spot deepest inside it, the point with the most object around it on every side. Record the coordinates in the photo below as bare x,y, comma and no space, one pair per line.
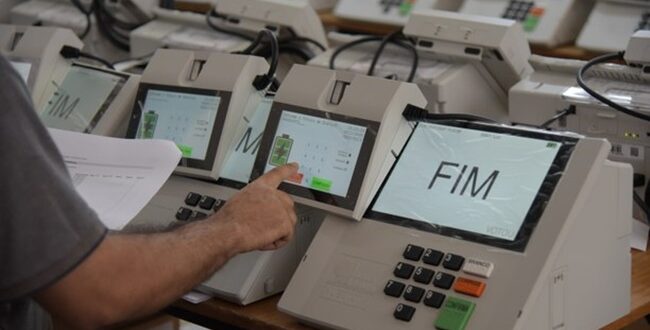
46,228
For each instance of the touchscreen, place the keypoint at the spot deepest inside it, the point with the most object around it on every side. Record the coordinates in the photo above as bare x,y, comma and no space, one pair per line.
242,154
187,119
476,181
23,69
82,99
326,150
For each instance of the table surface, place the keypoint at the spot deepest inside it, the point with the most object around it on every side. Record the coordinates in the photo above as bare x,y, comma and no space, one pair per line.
264,315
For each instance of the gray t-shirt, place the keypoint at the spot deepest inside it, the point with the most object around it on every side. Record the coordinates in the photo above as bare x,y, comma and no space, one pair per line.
46,229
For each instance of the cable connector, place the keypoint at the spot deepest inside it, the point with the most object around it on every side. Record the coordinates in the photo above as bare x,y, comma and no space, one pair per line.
69,52
262,81
413,113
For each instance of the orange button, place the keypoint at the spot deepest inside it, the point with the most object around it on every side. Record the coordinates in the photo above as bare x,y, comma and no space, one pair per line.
537,11
469,287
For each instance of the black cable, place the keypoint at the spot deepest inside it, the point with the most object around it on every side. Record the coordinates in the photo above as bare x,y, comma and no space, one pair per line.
349,45
391,38
263,81
70,52
113,28
360,41
114,37
305,40
213,13
571,110
380,50
414,113
87,13
581,82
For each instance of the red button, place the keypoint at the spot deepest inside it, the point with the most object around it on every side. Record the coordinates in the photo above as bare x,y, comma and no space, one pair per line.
469,287
537,11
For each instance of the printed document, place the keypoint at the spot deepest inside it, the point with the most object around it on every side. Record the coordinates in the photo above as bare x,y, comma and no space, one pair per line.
116,177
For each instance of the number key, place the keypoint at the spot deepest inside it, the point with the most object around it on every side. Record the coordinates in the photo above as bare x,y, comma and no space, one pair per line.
413,293
404,312
453,262
434,299
423,275
403,270
413,252
443,280
394,289
432,257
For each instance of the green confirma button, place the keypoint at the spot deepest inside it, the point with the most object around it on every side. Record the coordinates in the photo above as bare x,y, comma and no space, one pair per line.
530,24
185,150
455,314
321,184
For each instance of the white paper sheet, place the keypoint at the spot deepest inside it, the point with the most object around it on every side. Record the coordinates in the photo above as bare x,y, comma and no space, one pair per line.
116,177
195,297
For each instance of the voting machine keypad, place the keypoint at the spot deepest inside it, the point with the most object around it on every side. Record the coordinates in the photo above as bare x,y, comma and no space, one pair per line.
404,6
525,12
198,207
438,273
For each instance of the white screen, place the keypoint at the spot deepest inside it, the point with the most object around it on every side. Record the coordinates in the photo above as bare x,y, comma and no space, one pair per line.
241,156
326,150
23,69
471,180
184,118
79,98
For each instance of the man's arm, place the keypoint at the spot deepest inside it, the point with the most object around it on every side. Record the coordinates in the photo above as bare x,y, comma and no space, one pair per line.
129,276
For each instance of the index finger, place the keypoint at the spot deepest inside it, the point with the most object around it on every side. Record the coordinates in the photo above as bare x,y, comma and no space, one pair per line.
274,177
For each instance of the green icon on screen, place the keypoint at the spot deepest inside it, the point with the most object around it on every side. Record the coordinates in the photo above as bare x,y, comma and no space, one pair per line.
281,150
149,125
321,184
185,150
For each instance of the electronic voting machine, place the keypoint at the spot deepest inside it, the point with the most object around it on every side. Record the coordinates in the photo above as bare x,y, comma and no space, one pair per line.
548,23
35,53
186,30
552,88
389,12
207,105
467,63
477,226
68,94
343,140
612,23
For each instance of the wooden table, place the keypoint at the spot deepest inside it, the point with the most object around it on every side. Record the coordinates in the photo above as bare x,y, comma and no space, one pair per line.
263,314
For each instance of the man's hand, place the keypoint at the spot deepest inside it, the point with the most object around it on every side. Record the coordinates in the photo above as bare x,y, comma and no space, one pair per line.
131,275
263,216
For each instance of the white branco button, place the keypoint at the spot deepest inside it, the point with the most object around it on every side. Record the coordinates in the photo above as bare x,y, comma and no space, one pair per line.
478,267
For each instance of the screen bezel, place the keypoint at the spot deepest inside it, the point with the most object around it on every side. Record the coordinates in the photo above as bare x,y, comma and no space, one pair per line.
109,99
535,212
106,104
217,128
348,202
238,185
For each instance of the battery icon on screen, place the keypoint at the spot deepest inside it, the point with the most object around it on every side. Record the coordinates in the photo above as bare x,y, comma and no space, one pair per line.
149,124
281,150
